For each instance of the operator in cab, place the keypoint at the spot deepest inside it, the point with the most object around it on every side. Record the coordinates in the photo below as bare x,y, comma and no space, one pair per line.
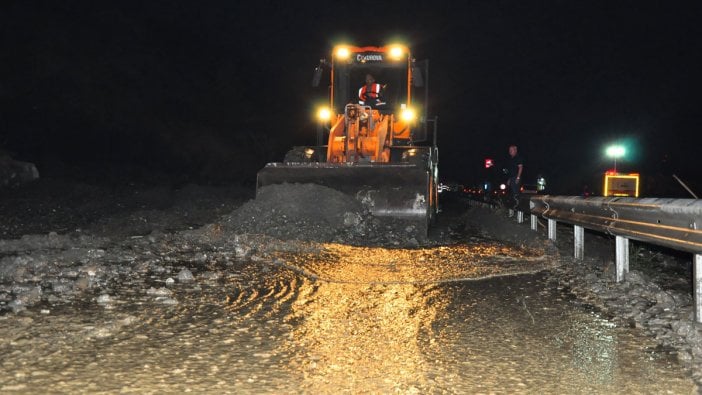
371,94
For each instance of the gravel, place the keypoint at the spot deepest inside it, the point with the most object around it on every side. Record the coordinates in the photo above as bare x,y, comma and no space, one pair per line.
54,267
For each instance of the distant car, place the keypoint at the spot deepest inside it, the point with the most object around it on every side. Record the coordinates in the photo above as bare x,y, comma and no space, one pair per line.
450,187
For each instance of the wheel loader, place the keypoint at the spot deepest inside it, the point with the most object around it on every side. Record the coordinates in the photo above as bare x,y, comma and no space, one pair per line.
379,147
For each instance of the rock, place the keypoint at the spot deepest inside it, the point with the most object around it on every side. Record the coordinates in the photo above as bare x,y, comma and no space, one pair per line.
104,299
694,337
211,276
682,299
14,173
128,320
684,357
16,306
158,269
682,328
101,332
665,300
696,350
635,277
185,275
82,283
166,300
159,292
72,274
352,219
241,249
14,268
590,278
29,297
61,286
170,281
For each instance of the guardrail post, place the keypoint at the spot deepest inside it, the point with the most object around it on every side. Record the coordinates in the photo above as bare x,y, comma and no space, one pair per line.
534,222
697,274
552,229
622,252
578,242
520,217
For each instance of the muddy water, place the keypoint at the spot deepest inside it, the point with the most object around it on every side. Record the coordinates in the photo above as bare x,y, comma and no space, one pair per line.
460,319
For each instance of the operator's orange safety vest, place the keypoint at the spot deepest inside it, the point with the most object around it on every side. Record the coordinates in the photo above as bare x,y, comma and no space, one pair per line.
373,93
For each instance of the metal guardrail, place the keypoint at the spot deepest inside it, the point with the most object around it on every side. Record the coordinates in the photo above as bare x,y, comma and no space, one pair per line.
673,223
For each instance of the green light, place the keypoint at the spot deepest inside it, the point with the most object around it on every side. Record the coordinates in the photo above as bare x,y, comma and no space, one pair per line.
615,151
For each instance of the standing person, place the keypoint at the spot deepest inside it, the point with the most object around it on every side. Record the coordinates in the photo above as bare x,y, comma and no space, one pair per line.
516,166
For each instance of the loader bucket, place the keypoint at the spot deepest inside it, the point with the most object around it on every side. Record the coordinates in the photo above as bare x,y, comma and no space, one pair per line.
396,191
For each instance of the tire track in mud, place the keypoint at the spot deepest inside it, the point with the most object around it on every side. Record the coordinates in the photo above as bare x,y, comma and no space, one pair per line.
269,295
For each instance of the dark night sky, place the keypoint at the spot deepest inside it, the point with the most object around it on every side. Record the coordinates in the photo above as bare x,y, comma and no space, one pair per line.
203,87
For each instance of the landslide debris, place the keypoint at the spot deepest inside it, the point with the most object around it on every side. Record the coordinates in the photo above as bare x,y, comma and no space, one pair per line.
56,268
313,212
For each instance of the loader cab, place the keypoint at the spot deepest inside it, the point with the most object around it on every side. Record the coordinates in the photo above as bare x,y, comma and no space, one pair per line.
349,70
405,81
349,80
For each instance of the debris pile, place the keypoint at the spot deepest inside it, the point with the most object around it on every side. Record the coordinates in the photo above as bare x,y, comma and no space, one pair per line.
14,173
316,213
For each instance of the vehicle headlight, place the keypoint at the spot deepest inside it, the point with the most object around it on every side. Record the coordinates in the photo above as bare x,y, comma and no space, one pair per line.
396,52
408,115
323,114
342,53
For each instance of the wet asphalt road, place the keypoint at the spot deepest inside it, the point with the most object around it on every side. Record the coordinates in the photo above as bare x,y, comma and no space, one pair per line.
476,317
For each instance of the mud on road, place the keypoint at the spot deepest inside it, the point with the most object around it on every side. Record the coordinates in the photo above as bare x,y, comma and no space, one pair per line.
62,240
656,297
102,265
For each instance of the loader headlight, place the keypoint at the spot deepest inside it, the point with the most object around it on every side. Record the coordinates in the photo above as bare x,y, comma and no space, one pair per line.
408,115
342,53
396,52
323,114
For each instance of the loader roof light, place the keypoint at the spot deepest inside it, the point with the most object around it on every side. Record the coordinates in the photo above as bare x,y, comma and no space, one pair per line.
396,52
408,115
342,52
323,114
